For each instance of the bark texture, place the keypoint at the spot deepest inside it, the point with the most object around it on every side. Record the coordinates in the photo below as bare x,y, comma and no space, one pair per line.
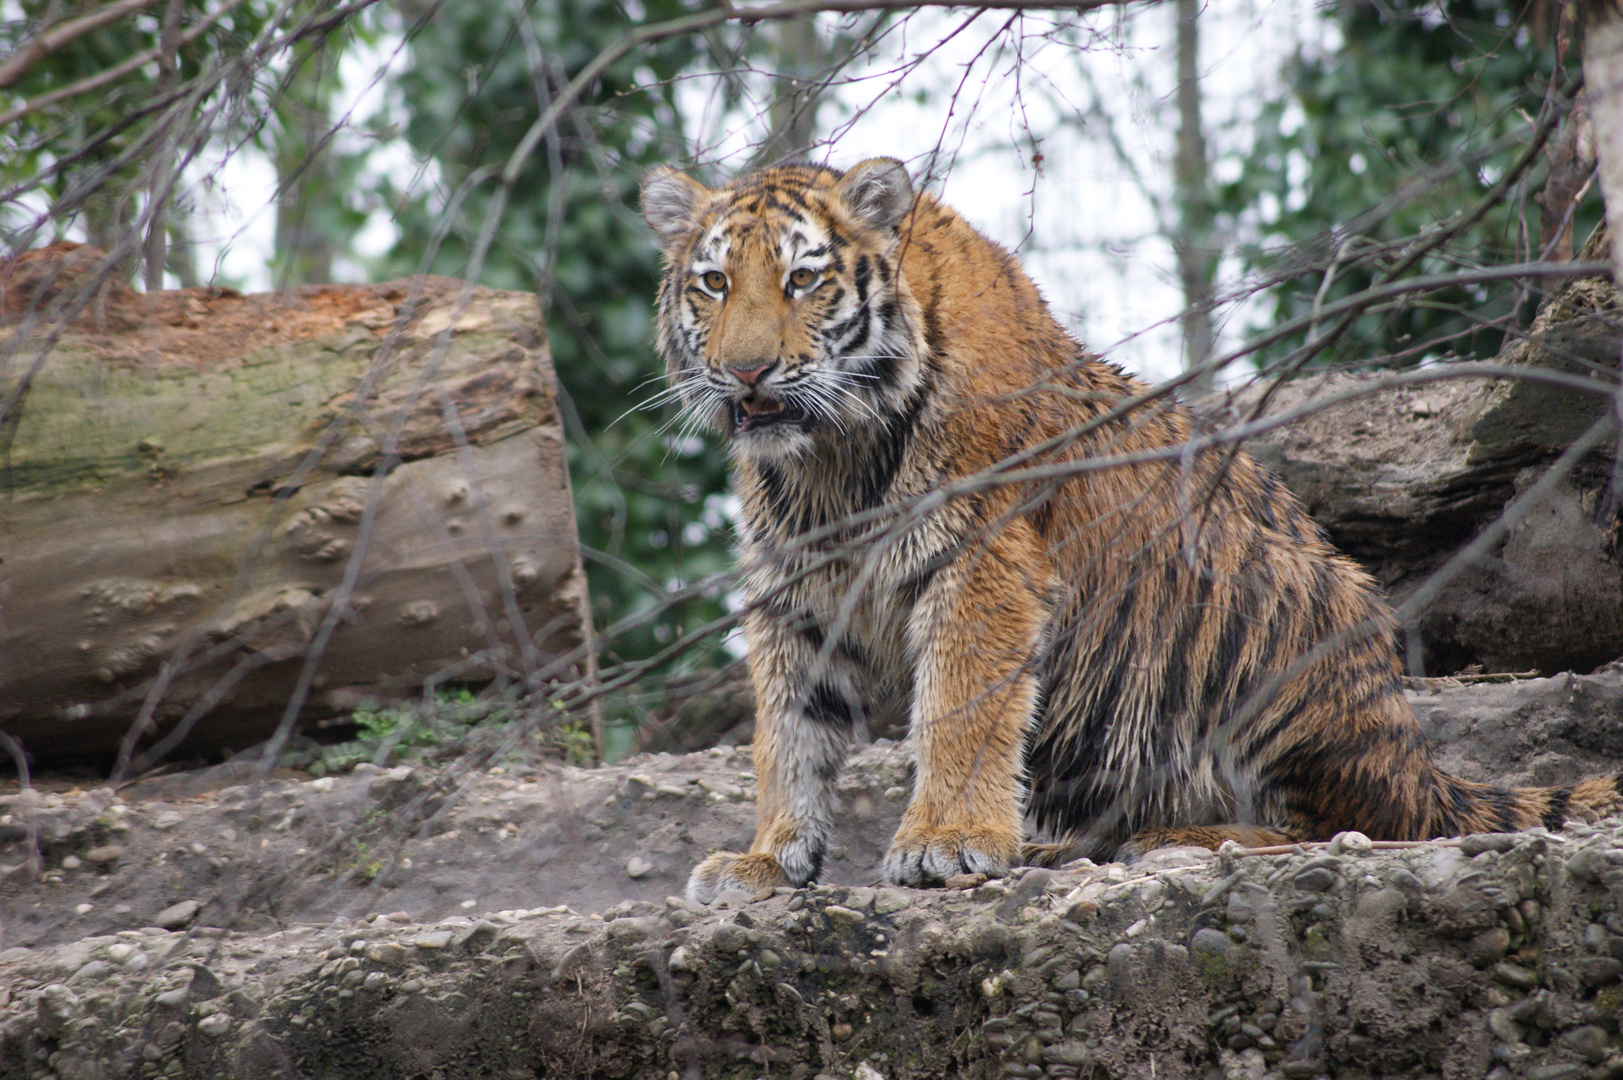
194,478
1401,478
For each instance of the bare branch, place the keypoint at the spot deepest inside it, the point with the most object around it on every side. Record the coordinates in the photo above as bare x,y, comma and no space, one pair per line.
53,39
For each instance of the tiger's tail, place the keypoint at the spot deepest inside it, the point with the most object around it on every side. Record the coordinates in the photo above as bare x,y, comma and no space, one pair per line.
1463,806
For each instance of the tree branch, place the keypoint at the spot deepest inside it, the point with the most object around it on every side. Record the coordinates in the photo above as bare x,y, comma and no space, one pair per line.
117,71
42,45
703,20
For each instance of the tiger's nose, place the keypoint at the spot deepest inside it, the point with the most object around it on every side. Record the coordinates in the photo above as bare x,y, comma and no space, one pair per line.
750,375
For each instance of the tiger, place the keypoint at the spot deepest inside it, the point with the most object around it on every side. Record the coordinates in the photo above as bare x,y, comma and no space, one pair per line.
1103,635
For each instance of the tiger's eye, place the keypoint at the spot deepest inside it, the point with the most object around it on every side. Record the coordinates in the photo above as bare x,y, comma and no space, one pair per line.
715,281
802,277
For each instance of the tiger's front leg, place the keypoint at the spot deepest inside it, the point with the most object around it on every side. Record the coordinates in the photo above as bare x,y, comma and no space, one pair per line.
976,632
802,735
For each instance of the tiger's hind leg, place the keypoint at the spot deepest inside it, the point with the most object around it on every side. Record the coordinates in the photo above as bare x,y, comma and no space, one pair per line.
1206,836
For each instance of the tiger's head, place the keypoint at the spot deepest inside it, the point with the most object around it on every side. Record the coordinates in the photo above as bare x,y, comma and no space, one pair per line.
783,317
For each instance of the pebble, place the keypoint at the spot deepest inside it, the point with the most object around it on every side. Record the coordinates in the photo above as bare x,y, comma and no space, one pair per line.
1515,975
410,986
1504,1028
106,854
1209,941
92,970
1590,1042
1562,1071
1488,947
890,901
71,863
638,867
1318,879
843,915
433,939
167,820
1599,971
1350,843
83,909
214,1025
1588,864
173,999
388,953
1477,843
730,938
176,916
1065,1054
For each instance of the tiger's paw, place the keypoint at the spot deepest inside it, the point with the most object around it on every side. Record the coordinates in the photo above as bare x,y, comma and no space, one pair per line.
921,856
727,870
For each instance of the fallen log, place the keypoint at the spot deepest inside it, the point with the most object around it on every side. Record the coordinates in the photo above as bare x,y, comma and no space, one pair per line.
1403,477
207,493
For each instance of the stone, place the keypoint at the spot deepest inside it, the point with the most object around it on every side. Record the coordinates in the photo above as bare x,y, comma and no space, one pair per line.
176,916
1066,1054
214,1025
843,915
638,867
1590,1042
1350,843
730,938
1317,879
432,939
1488,947
1596,971
1208,941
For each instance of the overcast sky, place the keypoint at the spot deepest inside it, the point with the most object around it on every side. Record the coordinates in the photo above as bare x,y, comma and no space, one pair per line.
1094,103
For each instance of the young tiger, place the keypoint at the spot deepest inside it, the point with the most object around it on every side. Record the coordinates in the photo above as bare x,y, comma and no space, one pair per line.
954,514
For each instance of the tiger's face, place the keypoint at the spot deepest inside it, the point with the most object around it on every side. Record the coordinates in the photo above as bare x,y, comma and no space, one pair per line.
783,318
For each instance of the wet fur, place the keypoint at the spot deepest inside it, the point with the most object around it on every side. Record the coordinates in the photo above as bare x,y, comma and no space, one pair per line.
1122,658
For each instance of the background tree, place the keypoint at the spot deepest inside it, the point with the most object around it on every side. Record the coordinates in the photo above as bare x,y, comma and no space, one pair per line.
99,115
1402,129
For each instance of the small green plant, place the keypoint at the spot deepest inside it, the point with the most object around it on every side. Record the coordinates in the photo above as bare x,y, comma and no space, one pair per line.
454,721
579,748
366,865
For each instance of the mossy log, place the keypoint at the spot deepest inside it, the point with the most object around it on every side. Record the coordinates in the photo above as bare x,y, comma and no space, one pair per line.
192,479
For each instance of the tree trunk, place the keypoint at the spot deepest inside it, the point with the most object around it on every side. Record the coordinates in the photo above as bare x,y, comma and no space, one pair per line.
1197,258
799,57
305,170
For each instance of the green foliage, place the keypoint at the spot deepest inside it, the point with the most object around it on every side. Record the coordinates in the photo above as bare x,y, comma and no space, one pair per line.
571,232
1402,128
448,727
84,156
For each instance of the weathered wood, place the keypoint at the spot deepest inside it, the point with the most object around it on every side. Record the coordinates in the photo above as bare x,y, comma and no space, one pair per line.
194,475
1402,477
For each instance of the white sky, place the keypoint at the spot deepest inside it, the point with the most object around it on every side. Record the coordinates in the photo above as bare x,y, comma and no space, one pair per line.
1084,226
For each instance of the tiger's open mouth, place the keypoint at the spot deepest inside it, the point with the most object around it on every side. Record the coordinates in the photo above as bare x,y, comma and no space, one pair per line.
757,412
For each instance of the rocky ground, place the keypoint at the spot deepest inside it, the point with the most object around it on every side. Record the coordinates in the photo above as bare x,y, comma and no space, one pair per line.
519,921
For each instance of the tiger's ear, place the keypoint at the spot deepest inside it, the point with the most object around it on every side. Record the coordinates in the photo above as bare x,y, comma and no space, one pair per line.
671,201
877,192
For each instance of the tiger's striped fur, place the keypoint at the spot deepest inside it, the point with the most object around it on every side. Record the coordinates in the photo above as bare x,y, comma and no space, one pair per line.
950,515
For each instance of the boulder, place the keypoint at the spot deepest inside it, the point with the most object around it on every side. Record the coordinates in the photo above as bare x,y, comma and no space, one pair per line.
195,478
